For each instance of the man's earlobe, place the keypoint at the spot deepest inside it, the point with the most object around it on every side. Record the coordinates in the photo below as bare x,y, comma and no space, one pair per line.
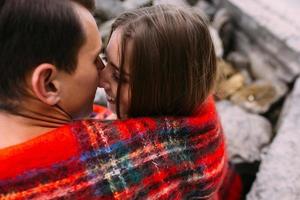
44,84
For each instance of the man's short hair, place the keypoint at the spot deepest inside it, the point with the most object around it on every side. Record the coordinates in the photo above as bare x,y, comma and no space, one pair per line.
33,32
88,4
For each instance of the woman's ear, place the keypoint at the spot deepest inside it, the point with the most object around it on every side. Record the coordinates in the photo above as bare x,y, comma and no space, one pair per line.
45,85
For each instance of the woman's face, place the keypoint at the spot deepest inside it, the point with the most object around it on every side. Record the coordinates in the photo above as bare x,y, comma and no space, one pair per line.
110,75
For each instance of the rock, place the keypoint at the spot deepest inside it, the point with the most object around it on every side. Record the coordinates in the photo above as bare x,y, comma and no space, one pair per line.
227,36
273,25
225,69
100,97
239,60
229,80
228,87
259,96
108,9
172,2
222,16
105,29
279,174
216,41
261,68
192,2
217,3
247,77
262,64
223,23
242,64
247,134
206,7
133,4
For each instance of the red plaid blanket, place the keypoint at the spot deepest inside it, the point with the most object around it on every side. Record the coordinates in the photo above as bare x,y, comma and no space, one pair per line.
143,158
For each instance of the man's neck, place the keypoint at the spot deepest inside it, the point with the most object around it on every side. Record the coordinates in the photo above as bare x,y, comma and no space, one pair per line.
15,130
30,122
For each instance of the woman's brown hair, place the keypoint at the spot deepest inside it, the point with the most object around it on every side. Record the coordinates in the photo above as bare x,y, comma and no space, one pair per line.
172,60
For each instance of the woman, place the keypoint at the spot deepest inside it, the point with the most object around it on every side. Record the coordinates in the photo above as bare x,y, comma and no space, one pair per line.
160,61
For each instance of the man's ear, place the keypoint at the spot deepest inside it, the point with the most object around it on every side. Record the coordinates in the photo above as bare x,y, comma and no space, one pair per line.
45,85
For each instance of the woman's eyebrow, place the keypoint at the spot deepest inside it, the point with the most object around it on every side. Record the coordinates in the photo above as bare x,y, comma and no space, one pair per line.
116,67
111,63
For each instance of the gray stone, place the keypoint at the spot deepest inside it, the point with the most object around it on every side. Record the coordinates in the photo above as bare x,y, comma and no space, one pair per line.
192,2
222,16
224,24
230,80
172,2
216,41
273,25
205,7
133,4
279,174
100,97
262,64
259,96
108,9
225,69
229,86
105,29
217,3
239,61
247,134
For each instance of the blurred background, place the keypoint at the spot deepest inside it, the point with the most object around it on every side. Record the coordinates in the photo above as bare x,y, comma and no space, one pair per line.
258,95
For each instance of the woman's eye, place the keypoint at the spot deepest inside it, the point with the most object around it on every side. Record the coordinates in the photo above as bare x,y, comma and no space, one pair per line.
116,76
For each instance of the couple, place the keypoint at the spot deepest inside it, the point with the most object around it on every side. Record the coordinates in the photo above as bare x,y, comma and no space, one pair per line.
158,72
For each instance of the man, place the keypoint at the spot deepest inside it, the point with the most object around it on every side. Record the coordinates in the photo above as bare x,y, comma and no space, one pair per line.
49,66
49,72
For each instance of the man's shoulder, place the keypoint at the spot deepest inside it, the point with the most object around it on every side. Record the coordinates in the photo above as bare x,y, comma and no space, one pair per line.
41,152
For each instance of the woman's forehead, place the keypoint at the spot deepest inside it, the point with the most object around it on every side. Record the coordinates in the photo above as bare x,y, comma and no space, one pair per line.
113,50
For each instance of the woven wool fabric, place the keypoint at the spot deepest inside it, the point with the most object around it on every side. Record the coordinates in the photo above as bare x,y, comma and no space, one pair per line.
142,158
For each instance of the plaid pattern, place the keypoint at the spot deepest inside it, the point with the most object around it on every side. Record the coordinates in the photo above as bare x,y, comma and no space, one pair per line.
143,158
